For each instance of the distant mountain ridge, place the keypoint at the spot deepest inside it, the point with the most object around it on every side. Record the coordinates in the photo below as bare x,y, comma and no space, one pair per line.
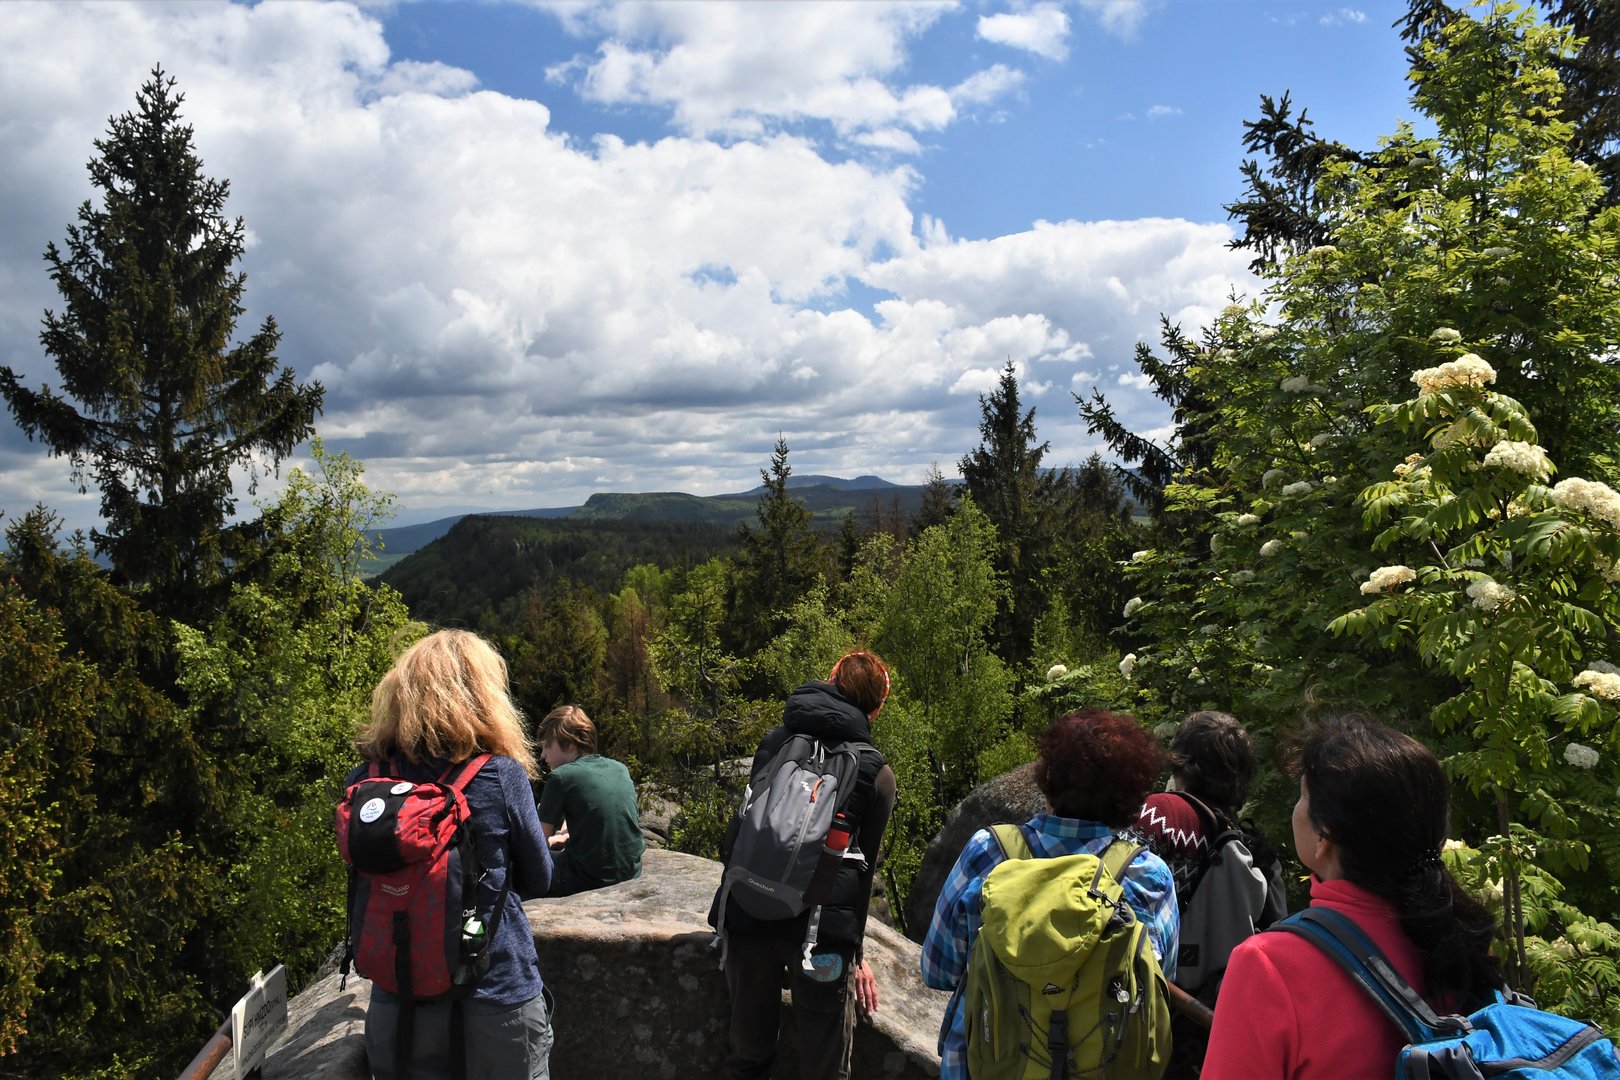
828,497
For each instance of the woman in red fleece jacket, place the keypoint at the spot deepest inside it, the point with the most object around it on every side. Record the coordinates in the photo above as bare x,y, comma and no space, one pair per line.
1369,825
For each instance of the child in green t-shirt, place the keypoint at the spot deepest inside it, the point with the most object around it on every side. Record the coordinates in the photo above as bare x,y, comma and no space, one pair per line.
587,807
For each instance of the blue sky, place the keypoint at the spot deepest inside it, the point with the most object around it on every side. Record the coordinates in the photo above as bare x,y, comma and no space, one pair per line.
537,250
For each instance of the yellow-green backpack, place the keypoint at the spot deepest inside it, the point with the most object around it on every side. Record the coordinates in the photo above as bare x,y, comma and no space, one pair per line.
1062,981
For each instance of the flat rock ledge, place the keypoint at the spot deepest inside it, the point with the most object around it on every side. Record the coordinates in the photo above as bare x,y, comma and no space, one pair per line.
638,992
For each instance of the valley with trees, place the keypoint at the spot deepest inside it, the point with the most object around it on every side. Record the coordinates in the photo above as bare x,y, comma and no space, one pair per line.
1391,482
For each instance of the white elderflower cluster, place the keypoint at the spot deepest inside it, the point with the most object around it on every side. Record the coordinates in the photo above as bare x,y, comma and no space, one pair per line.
1488,595
1467,370
1386,578
1321,439
1215,544
1445,335
1603,684
1133,605
1453,845
1300,384
1298,487
1271,547
1233,310
1608,569
1056,671
1224,354
1582,757
1589,497
1497,252
1271,476
1321,251
1413,466
1266,333
1140,556
1241,577
1526,459
1166,731
1248,519
1127,664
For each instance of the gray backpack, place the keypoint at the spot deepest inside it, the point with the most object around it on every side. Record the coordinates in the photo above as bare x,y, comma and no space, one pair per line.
792,831
1231,900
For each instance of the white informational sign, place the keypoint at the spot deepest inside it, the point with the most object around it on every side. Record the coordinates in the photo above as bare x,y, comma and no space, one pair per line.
258,1018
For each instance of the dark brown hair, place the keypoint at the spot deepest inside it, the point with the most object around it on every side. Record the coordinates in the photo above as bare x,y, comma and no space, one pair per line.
1097,765
1381,797
1212,758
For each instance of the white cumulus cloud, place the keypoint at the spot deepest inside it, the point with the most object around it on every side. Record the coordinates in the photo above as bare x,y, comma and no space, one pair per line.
1042,30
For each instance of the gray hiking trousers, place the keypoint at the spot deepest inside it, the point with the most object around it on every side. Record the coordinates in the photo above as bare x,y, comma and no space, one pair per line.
502,1042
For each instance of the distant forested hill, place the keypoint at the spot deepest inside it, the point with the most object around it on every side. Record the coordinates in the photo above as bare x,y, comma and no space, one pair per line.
829,502
828,497
484,563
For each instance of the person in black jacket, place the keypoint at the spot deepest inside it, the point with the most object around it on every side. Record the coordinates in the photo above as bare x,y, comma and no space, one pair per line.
763,955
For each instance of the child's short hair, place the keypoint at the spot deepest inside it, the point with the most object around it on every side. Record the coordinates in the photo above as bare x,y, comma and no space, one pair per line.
1214,757
863,678
568,726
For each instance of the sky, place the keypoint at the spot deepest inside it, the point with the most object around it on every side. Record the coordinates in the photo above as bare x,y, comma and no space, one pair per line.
535,250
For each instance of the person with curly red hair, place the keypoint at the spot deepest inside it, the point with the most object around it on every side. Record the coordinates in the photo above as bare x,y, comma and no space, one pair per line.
1095,767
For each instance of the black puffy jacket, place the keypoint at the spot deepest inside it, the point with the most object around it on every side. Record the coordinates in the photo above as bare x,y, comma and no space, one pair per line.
818,709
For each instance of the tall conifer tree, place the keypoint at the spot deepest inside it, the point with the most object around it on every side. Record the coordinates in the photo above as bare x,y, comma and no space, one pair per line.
157,405
1004,478
780,559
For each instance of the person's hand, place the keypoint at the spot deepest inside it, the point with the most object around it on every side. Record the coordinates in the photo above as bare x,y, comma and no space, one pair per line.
558,838
866,995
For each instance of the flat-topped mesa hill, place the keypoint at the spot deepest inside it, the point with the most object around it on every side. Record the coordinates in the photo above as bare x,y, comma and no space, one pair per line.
827,497
638,990
456,570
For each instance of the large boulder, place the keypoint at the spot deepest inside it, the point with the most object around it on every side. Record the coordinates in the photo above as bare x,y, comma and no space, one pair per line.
638,991
1010,797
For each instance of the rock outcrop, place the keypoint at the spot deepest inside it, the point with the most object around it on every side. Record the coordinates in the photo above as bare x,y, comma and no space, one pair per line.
1010,797
638,992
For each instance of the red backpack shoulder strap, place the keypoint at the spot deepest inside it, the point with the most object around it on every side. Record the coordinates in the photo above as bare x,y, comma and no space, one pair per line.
459,776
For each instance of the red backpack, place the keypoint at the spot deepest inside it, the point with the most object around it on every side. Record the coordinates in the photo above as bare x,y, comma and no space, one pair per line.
414,925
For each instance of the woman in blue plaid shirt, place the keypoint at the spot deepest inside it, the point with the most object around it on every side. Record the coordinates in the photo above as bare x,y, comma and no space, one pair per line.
1095,769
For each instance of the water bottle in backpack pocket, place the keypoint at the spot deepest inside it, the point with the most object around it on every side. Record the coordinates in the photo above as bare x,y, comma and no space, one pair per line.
414,925
791,835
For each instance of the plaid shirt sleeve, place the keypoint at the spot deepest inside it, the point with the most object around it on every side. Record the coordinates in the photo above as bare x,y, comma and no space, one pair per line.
1151,891
957,913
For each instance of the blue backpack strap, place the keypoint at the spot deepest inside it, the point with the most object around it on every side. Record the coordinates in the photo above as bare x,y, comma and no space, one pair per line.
1348,946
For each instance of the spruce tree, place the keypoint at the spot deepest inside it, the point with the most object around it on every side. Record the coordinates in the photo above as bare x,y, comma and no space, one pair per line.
1003,476
779,561
156,404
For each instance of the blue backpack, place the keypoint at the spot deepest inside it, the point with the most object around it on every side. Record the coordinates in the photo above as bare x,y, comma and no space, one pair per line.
1508,1038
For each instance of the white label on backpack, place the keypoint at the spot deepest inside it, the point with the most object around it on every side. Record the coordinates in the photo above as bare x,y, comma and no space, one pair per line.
401,788
372,810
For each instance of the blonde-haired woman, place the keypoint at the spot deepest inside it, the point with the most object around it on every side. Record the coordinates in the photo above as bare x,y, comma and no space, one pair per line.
443,702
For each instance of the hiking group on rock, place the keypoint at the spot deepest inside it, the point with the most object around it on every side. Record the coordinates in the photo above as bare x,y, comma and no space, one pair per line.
1115,934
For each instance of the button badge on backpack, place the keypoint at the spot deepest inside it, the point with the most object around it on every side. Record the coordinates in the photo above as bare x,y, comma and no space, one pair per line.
372,810
826,967
401,788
